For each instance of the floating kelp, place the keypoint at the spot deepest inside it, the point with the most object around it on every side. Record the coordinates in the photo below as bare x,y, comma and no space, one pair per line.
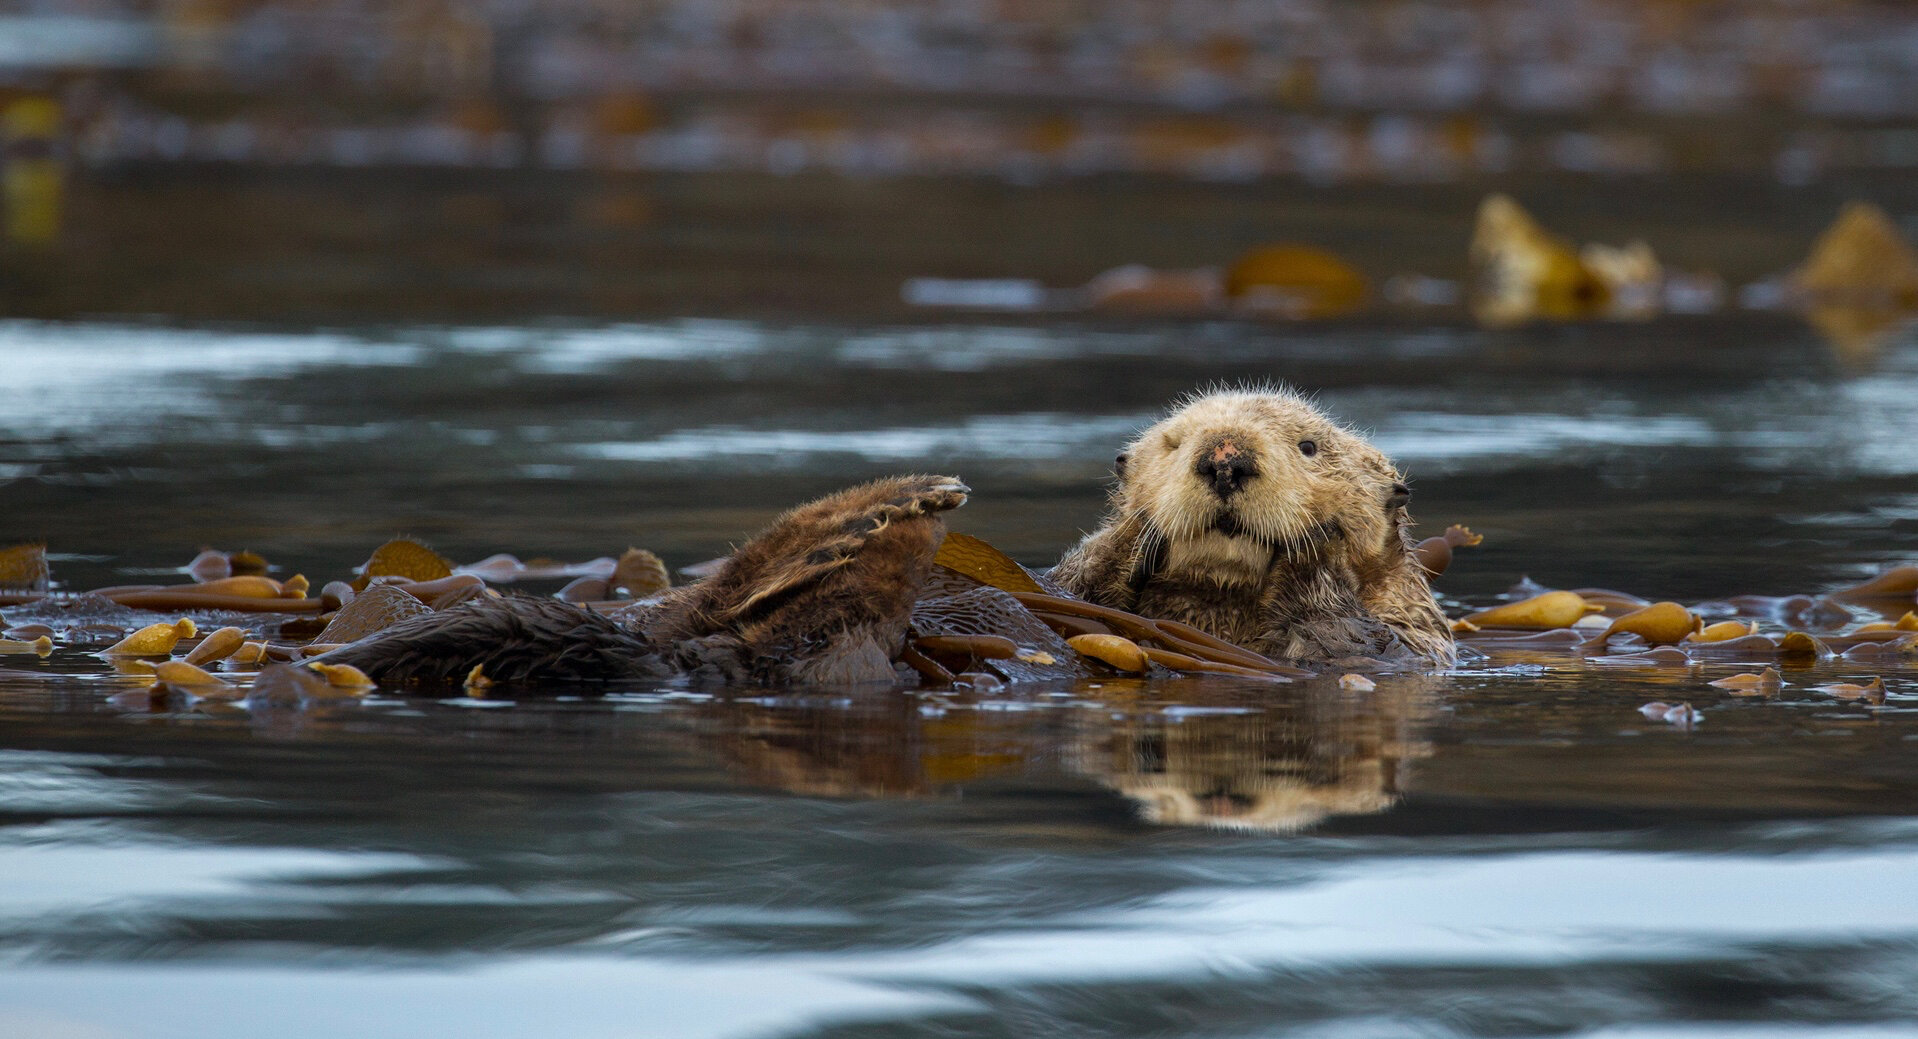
154,640
1294,281
1799,647
1898,583
640,573
1872,692
42,646
1610,602
982,618
405,558
1187,641
248,587
1524,273
1550,610
217,645
1521,272
1435,554
1114,651
343,676
1723,631
1764,683
1858,287
985,564
1632,276
1908,622
23,569
1658,624
1860,259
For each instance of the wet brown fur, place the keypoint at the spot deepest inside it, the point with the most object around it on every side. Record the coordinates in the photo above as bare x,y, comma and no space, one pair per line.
823,595
1309,560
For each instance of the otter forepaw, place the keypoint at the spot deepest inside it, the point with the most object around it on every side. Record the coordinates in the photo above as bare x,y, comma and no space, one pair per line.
908,497
921,495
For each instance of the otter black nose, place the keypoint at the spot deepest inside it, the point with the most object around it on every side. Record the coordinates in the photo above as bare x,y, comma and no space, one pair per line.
1226,469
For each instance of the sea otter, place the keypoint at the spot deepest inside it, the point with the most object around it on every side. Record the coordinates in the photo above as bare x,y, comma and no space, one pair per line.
1253,516
1247,514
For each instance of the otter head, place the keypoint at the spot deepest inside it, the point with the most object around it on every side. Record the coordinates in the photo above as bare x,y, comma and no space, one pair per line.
1231,480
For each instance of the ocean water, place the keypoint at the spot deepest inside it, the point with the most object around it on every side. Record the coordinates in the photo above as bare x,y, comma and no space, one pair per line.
1508,849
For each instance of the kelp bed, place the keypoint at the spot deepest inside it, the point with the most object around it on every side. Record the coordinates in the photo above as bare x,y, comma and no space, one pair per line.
232,634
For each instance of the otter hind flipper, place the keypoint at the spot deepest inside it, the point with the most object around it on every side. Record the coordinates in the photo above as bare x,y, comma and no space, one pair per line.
828,587
510,639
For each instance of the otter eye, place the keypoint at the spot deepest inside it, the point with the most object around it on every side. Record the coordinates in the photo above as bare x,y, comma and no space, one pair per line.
1308,448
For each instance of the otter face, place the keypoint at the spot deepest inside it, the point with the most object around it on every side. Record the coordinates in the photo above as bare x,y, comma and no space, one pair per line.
1230,479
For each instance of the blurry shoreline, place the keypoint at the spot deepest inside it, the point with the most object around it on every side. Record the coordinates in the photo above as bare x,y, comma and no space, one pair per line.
212,241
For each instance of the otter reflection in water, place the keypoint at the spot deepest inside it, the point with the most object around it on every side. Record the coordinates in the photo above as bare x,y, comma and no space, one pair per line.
1279,764
1285,766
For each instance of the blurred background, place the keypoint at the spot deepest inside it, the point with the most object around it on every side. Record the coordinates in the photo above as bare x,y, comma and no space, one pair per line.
443,159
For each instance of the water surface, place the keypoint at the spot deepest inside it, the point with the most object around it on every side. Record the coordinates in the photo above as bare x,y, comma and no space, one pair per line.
1511,849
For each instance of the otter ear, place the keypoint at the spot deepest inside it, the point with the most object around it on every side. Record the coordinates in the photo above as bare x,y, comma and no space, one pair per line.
1118,465
1401,496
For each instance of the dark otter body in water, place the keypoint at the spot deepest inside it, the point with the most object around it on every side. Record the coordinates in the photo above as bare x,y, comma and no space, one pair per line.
822,595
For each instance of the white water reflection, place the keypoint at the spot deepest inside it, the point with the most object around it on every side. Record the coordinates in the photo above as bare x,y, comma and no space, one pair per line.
93,387
93,380
1035,436
575,351
1535,909
1528,910
47,879
549,997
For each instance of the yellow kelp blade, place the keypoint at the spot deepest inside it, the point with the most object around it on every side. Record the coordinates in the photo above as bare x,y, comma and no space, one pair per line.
985,564
23,568
404,557
1299,281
